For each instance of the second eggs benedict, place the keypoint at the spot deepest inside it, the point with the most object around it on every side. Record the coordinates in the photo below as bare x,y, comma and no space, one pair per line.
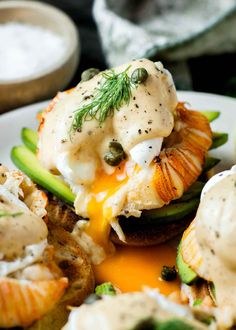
208,245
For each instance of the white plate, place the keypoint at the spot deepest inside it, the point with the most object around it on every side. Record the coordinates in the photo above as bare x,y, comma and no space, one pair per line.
12,122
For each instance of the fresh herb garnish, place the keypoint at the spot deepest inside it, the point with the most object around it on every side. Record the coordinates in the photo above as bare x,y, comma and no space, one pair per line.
197,302
114,91
8,214
105,289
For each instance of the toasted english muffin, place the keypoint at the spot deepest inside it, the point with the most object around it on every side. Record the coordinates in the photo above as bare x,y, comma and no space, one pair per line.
138,232
76,267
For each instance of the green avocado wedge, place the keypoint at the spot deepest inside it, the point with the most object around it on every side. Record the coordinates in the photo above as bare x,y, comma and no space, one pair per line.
30,138
211,115
173,323
172,211
26,161
192,192
186,274
218,139
210,162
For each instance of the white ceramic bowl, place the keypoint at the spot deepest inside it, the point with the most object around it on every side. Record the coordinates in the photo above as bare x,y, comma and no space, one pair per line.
45,83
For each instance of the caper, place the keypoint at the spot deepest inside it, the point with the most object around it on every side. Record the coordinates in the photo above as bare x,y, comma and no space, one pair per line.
89,74
139,75
115,155
168,273
113,159
92,298
116,147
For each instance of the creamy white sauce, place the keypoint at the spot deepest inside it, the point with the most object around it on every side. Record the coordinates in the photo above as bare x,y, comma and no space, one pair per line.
19,229
216,179
23,234
32,254
124,311
216,236
149,115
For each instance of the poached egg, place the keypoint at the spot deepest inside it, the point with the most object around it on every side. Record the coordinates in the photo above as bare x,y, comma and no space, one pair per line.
215,236
104,192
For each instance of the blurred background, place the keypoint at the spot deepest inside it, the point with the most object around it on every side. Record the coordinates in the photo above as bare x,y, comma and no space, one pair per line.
195,39
209,73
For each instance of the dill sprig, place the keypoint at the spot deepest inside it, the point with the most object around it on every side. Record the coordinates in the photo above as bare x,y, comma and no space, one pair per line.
114,91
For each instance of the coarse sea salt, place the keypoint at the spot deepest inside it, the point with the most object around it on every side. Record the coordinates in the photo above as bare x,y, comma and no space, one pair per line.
27,50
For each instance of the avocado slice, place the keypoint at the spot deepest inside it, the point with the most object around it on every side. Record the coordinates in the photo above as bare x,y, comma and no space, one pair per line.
28,163
173,211
211,115
174,324
30,138
218,139
210,162
192,192
186,274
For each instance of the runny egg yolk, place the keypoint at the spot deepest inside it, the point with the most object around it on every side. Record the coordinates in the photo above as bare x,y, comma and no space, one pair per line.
99,217
131,268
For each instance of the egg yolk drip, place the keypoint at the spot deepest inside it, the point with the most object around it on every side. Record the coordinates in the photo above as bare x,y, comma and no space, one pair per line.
131,268
100,217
